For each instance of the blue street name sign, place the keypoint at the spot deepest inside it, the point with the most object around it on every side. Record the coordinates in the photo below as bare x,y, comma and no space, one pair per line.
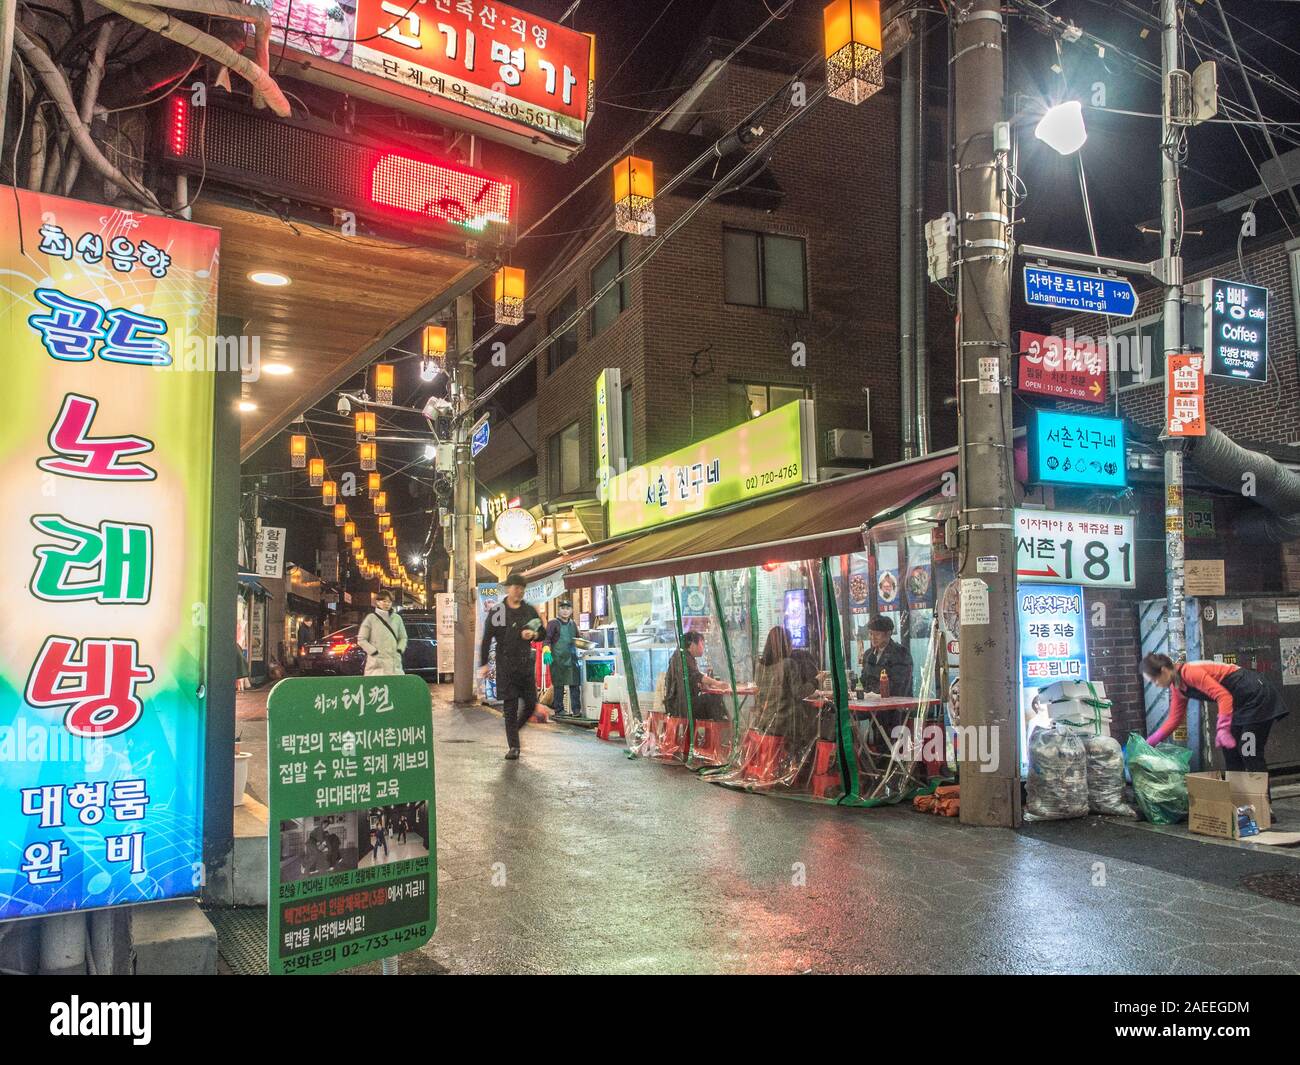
480,438
1070,290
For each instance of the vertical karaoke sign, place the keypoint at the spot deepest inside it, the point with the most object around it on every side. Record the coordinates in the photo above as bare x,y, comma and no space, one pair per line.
105,501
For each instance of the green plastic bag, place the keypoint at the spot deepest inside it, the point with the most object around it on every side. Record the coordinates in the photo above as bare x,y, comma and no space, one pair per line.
1159,779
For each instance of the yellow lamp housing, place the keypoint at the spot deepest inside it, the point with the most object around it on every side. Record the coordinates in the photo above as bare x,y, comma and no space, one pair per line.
369,455
357,547
385,521
365,423
372,484
384,382
329,493
297,451
634,196
349,530
316,472
508,294
381,502
340,514
854,65
433,341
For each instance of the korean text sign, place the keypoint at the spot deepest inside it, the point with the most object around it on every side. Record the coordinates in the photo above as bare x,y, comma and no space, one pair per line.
755,458
1076,449
107,452
491,57
1185,395
353,870
1237,324
1053,644
1058,366
1092,549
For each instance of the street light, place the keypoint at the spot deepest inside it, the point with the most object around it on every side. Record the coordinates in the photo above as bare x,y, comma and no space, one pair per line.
854,67
1061,127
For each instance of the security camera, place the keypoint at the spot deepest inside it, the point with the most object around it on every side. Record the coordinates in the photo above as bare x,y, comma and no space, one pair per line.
345,406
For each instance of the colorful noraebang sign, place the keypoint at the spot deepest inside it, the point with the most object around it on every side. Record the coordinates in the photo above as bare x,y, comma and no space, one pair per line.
105,506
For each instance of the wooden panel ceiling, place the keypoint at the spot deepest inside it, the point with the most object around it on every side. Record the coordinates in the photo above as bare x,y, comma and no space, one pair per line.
344,295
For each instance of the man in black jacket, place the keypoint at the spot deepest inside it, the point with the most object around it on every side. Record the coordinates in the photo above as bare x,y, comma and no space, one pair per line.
514,625
887,654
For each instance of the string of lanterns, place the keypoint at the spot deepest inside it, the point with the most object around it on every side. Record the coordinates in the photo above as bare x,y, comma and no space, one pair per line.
391,571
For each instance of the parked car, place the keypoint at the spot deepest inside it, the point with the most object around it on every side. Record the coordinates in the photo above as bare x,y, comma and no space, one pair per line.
339,654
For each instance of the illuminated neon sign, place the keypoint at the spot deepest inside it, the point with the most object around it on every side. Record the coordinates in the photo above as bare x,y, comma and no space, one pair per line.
447,193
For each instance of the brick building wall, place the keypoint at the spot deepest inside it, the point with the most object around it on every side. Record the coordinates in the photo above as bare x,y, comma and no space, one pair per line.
838,174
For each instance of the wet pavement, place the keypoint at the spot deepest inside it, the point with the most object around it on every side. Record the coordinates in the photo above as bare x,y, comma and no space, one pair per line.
577,859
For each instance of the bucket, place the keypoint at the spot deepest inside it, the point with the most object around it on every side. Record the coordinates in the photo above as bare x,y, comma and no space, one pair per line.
241,775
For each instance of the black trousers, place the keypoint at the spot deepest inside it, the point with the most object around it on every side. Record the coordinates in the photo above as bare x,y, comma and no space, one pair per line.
518,701
1236,762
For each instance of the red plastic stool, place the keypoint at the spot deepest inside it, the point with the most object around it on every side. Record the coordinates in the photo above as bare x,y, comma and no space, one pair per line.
826,785
761,757
674,737
611,721
824,758
710,739
653,735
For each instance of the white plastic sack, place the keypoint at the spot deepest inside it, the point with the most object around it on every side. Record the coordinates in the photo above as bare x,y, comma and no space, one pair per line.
1106,776
1058,776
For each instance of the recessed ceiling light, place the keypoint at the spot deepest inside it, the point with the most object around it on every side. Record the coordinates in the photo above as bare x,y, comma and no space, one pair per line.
277,369
269,278
247,405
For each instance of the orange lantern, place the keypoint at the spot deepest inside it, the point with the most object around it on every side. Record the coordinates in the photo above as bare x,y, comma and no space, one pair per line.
384,382
634,196
365,423
349,530
385,521
509,295
591,75
297,451
358,548
381,502
433,341
316,472
372,484
340,514
854,67
369,455
329,493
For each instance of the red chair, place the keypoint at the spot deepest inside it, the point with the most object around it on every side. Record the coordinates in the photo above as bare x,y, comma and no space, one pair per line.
653,736
712,738
611,721
824,758
762,758
826,785
674,737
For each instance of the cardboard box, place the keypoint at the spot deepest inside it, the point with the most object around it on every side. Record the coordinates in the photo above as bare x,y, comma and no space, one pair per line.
1213,799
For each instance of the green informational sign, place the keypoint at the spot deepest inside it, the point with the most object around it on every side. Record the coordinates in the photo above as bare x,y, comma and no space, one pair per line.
764,455
353,858
1198,517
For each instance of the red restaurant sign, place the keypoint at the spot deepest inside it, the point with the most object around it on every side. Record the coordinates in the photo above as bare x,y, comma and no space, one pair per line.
1061,367
501,71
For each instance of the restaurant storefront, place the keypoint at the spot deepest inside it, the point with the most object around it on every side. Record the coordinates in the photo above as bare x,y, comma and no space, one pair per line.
741,634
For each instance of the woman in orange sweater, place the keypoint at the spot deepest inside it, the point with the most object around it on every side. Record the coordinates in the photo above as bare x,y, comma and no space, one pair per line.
1247,704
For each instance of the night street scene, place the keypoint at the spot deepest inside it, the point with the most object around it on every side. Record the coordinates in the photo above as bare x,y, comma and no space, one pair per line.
686,487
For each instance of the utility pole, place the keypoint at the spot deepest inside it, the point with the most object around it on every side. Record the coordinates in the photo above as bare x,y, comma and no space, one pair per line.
990,785
1170,241
464,528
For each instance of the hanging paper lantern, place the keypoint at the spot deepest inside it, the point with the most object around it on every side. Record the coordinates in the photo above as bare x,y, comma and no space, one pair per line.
381,502
509,295
369,455
316,472
372,484
340,514
384,382
365,423
854,67
634,196
329,493
297,451
349,530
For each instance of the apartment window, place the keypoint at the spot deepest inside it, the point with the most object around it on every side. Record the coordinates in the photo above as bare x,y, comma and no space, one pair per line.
764,270
563,467
614,302
749,400
1137,352
565,346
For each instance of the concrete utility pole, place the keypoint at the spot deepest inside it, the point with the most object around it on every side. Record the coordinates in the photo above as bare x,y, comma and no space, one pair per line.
990,786
1172,340
464,528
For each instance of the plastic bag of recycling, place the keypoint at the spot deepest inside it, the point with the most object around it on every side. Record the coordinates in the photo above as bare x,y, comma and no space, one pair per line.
1058,775
1159,779
1106,776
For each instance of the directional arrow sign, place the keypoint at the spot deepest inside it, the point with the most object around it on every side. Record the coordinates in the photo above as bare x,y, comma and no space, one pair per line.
479,439
1072,290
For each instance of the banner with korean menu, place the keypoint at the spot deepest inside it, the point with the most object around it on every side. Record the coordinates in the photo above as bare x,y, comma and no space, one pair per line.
106,447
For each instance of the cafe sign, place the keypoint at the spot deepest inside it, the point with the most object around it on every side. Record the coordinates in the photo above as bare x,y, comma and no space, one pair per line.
764,455
488,67
1236,322
106,447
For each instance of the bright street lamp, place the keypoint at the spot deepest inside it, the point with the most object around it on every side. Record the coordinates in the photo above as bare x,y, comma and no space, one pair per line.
1061,128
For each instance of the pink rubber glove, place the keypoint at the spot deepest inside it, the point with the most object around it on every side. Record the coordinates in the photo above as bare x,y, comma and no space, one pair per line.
1223,735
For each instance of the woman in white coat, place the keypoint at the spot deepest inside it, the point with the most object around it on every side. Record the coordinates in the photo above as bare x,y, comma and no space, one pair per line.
383,637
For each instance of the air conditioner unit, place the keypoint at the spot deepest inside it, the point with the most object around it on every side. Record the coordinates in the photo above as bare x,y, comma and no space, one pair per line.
849,444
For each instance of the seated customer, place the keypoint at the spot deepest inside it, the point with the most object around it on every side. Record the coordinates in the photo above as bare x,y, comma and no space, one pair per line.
888,655
706,703
785,677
